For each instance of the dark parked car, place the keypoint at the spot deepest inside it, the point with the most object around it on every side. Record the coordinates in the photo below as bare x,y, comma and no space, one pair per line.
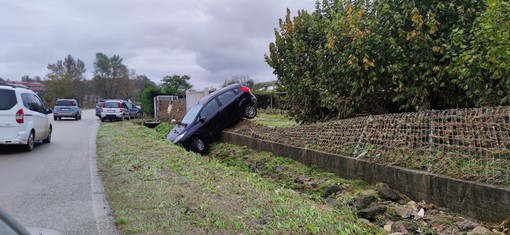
134,111
211,115
98,108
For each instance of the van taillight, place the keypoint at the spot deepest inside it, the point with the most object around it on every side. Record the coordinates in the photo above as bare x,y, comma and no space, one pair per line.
20,116
245,89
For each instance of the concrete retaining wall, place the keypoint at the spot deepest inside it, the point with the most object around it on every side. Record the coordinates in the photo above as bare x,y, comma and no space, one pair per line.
479,201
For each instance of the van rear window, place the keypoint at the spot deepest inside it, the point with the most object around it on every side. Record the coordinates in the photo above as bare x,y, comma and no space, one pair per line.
7,99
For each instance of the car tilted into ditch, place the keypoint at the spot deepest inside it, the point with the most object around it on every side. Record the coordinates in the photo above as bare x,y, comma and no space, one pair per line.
213,113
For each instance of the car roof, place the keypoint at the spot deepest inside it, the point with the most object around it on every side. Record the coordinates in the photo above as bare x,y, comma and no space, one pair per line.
213,95
16,87
114,101
67,99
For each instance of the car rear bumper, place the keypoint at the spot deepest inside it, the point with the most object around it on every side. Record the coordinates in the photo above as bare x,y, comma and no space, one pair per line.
112,116
17,140
70,114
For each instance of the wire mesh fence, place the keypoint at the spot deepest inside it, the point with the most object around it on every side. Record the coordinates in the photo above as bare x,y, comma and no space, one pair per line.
469,144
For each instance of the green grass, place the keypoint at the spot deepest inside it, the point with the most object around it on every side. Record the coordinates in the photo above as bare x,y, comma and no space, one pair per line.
274,120
155,187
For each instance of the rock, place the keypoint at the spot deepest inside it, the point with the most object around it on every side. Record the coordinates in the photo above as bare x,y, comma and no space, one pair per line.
466,225
363,201
330,190
301,179
405,227
479,230
386,192
403,211
387,226
372,212
363,221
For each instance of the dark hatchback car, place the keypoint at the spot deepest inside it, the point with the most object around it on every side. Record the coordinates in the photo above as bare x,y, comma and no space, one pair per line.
213,113
98,108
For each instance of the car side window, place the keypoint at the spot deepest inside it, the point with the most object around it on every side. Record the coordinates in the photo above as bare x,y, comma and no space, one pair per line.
32,102
226,97
209,109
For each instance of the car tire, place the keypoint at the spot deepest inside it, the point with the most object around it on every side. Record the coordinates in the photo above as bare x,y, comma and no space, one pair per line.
48,138
139,114
197,145
102,119
30,142
250,111
54,118
122,118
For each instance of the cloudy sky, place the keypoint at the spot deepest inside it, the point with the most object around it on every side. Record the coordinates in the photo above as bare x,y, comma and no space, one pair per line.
210,40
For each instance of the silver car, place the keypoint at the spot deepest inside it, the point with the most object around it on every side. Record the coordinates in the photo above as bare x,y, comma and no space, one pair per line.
66,108
114,110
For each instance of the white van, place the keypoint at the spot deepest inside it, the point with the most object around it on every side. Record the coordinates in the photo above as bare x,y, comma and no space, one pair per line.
23,117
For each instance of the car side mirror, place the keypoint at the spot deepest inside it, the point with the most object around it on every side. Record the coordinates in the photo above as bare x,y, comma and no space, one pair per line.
201,120
48,111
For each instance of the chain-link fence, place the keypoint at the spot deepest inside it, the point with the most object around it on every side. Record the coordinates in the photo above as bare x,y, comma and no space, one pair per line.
470,144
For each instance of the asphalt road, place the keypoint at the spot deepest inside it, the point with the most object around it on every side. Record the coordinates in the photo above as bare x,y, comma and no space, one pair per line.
56,186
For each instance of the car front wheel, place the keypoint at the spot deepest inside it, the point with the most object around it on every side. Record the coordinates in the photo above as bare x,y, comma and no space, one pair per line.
197,145
250,111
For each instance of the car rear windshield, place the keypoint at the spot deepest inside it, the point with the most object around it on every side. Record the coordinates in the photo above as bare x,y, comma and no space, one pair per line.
66,103
111,104
7,99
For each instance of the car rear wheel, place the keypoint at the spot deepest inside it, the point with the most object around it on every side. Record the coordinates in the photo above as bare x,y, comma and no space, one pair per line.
48,138
30,142
54,118
250,111
139,114
197,145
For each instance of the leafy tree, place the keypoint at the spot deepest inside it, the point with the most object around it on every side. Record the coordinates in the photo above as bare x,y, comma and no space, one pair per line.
294,58
355,57
147,94
176,85
110,76
65,79
482,68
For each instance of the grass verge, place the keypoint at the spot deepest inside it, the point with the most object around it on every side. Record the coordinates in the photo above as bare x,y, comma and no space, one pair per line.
155,187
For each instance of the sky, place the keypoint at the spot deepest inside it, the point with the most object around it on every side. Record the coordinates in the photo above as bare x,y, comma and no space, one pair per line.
209,40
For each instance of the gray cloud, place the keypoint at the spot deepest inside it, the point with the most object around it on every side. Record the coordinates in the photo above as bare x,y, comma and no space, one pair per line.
210,40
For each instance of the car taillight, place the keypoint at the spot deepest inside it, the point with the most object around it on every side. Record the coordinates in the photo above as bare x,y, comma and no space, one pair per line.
20,116
245,89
